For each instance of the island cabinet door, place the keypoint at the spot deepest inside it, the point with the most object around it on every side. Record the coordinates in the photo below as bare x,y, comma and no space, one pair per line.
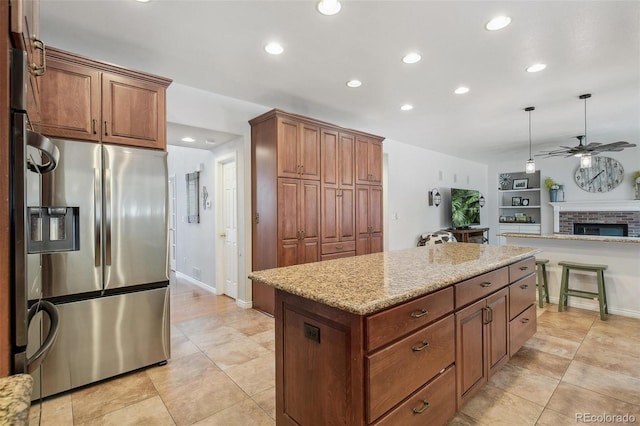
471,362
498,330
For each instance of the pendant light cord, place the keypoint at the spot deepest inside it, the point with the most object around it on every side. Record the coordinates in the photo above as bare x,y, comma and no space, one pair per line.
529,134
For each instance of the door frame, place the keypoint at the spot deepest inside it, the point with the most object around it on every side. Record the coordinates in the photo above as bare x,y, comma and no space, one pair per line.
219,162
173,212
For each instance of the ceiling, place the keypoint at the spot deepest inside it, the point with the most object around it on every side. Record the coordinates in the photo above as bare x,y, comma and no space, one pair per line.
588,46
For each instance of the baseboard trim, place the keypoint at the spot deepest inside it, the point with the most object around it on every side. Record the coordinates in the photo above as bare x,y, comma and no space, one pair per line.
193,281
593,306
243,304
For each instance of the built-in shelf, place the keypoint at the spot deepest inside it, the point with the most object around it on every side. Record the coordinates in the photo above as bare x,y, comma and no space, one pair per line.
531,212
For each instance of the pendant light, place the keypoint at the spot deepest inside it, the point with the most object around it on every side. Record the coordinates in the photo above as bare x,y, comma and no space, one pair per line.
530,167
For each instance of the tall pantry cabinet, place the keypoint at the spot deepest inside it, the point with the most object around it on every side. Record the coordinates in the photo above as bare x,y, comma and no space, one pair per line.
316,194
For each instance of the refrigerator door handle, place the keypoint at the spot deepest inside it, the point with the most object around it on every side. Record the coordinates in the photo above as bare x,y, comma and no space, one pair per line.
97,195
50,309
107,214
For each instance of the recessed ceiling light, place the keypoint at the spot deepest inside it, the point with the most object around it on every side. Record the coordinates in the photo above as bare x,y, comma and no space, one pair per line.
406,107
498,23
461,90
329,7
411,58
142,1
188,139
536,67
354,83
274,48
210,142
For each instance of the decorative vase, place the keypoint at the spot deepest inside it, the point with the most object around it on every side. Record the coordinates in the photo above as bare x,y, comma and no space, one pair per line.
637,191
553,195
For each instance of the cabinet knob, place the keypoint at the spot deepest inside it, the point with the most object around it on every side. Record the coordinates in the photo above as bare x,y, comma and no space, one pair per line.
524,286
525,320
486,284
524,268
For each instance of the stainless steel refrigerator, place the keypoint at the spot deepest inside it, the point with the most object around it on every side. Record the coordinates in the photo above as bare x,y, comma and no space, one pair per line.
90,293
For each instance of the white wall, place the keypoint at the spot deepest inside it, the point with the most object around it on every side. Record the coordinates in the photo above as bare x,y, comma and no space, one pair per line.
195,242
411,173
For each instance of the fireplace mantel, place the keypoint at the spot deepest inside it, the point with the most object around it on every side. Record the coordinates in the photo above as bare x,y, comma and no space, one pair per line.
592,206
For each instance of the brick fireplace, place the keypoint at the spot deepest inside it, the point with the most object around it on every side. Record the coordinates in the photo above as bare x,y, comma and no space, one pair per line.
567,214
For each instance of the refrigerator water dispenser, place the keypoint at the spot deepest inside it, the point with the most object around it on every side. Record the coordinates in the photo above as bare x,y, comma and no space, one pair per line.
53,229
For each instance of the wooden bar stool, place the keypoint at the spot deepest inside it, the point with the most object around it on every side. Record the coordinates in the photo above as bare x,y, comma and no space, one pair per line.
541,283
565,291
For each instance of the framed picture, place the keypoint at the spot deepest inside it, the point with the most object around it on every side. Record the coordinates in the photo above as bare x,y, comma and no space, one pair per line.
516,201
520,183
525,201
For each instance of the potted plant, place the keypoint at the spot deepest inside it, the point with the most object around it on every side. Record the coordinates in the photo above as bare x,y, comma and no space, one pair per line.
553,187
635,181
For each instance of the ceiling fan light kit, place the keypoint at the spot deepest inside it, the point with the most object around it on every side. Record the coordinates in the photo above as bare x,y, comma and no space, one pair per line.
586,150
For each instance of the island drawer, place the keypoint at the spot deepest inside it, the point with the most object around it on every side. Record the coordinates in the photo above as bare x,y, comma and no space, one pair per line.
393,323
522,268
329,248
433,404
521,329
478,287
399,369
522,293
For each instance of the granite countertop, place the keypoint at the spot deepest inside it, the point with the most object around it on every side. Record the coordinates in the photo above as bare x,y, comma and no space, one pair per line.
15,399
366,284
598,238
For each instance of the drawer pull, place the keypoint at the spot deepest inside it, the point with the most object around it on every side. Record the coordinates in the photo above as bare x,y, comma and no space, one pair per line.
425,345
425,405
524,286
486,284
422,313
339,247
524,320
524,268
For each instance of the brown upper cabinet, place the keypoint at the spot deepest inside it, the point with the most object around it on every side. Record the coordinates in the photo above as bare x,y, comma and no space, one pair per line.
90,100
298,150
25,29
368,161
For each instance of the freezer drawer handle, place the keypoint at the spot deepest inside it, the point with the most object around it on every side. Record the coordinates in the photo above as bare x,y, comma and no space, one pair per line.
49,308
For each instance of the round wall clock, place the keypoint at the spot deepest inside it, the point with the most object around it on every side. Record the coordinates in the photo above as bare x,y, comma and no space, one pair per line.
604,174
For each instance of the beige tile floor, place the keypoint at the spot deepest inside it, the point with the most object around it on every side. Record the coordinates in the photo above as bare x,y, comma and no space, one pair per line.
222,373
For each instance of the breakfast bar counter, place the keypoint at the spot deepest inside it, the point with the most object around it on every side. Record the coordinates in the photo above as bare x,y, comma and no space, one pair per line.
401,337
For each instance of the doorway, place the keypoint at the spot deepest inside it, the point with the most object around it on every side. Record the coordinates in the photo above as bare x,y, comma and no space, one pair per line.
227,213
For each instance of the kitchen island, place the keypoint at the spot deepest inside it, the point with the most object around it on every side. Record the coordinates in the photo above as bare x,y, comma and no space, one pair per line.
402,337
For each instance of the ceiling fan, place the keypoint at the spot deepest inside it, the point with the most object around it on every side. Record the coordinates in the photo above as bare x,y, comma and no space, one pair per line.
583,148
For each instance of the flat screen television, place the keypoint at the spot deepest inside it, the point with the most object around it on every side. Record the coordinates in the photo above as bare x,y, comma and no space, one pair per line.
465,208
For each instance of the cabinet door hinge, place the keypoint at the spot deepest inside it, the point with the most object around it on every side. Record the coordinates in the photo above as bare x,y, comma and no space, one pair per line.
257,218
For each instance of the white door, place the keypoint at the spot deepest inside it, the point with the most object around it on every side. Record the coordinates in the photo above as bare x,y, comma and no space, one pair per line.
172,222
230,234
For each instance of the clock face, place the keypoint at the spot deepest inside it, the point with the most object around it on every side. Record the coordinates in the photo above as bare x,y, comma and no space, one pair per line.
604,174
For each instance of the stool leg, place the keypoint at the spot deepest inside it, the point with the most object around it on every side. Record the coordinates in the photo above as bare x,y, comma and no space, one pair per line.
602,298
564,284
546,284
540,287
